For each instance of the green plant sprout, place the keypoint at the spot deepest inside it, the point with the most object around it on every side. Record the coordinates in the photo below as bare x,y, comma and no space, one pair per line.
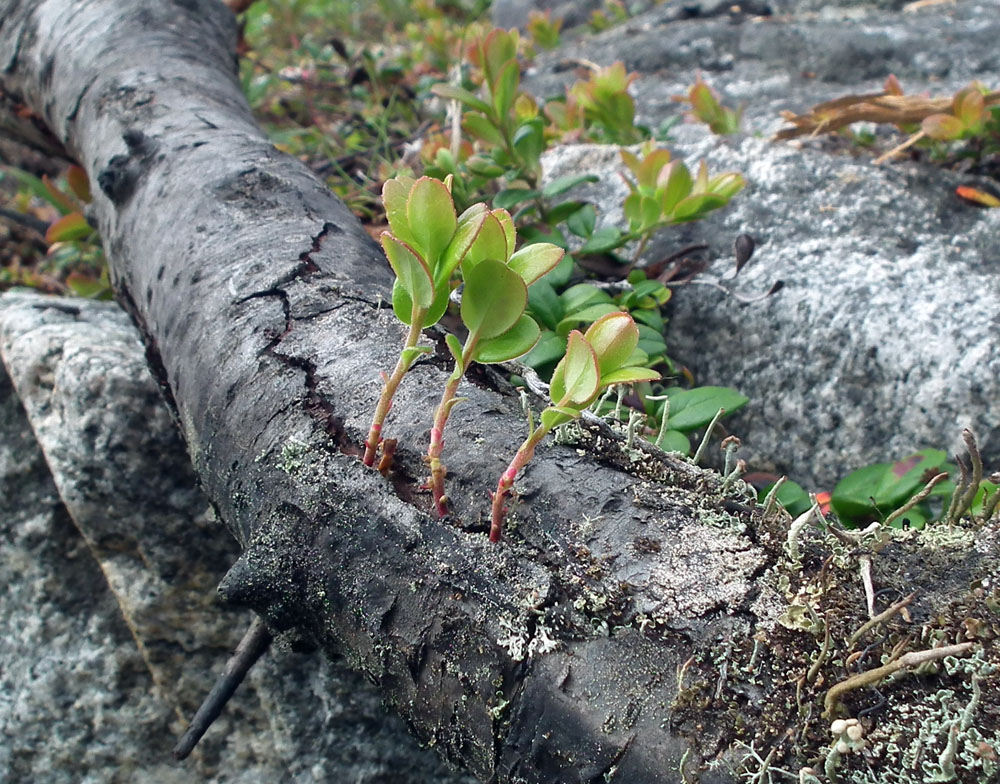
594,360
910,492
425,244
706,107
493,303
663,193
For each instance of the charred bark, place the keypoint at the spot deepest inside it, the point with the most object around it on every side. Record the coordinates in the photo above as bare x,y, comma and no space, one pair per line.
552,657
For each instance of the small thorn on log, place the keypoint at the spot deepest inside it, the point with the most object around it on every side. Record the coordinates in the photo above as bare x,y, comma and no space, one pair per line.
253,645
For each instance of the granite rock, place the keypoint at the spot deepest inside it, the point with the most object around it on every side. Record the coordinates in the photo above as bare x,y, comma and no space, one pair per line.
881,341
111,556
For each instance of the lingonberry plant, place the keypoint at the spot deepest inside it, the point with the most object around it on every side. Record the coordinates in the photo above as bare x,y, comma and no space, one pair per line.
493,303
595,360
425,244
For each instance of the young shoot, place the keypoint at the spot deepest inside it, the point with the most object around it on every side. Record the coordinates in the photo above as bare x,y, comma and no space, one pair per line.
493,303
425,244
595,360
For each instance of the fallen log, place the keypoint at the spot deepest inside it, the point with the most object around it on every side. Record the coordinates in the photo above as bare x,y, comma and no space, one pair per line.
560,655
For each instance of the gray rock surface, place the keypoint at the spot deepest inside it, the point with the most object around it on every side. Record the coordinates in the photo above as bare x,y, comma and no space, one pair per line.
111,557
882,341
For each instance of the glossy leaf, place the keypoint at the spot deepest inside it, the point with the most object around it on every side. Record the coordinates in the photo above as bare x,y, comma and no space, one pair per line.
504,87
943,127
545,304
463,96
549,350
78,183
576,379
586,315
791,496
553,416
694,408
481,128
490,243
582,295
394,195
411,271
534,261
69,227
853,497
461,241
515,342
629,375
430,213
613,338
581,223
694,207
511,197
560,185
675,441
493,300
673,185
603,240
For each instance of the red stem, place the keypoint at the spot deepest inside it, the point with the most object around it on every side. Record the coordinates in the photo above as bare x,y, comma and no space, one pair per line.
437,446
521,459
391,383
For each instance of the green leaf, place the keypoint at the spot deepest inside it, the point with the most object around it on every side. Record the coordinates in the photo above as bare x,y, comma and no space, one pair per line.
515,342
440,306
455,347
69,227
529,140
694,207
410,269
490,243
411,354
852,498
544,304
463,96
534,261
605,239
581,223
394,195
430,213
493,300
509,232
791,496
563,212
694,408
560,185
549,349
86,286
943,127
675,441
628,375
504,88
581,295
673,184
553,416
514,196
482,128
613,337
586,315
905,477
461,241
651,318
563,271
576,379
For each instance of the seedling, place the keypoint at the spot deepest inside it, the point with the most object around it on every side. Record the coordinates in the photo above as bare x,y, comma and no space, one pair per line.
706,108
493,303
594,361
425,244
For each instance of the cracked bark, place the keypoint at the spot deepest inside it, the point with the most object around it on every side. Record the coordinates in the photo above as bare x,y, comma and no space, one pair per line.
259,298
